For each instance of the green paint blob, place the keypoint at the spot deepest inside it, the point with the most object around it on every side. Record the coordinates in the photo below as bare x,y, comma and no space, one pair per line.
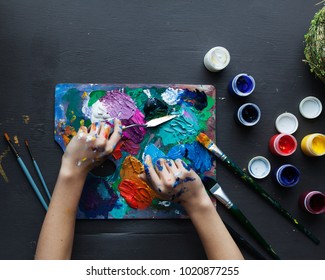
95,96
138,96
74,115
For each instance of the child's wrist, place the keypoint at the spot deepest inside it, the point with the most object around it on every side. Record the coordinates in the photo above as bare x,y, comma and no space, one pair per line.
200,202
71,171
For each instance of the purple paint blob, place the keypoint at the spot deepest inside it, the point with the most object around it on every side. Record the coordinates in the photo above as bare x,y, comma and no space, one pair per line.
118,104
136,134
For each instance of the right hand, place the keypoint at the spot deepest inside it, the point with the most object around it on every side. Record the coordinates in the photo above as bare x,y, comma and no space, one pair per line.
174,181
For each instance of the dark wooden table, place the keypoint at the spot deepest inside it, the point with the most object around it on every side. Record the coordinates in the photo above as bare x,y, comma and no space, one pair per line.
48,42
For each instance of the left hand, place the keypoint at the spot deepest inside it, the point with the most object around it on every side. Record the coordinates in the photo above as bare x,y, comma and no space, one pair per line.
87,150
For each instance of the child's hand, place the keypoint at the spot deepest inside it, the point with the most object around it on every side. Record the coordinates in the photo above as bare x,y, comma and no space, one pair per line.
174,181
89,149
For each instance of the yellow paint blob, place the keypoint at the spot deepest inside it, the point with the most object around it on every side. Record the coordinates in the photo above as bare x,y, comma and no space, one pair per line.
2,172
318,144
26,119
16,141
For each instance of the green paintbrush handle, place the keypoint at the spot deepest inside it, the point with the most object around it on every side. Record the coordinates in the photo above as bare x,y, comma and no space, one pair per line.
250,181
251,229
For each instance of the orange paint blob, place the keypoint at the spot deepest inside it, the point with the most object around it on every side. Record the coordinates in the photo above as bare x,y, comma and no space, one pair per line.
131,168
69,132
135,191
203,139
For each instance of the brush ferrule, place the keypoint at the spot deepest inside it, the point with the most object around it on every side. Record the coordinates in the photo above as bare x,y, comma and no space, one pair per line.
221,196
215,150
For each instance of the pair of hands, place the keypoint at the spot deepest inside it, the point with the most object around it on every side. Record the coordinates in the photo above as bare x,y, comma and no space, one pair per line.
171,180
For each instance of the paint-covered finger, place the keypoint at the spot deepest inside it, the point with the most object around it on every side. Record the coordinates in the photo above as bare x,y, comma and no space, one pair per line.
182,164
94,128
105,129
115,137
83,129
170,165
161,168
117,133
173,169
151,174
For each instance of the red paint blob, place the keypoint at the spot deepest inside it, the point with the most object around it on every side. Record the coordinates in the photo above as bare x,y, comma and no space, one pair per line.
286,144
283,144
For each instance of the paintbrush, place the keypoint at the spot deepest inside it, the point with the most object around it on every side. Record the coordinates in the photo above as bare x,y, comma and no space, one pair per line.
27,174
218,193
242,242
38,169
153,122
212,147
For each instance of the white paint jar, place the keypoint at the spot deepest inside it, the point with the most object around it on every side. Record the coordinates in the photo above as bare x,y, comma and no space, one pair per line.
216,59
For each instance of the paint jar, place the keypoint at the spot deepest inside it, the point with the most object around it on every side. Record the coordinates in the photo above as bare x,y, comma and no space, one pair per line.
259,167
310,107
286,123
313,202
216,59
248,114
313,145
287,175
242,85
283,144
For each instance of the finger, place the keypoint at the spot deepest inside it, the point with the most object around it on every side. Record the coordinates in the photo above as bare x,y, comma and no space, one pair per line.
115,137
105,129
83,129
174,169
161,168
94,128
178,163
151,174
170,164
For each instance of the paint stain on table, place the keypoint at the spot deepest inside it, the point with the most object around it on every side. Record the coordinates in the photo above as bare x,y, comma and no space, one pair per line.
2,172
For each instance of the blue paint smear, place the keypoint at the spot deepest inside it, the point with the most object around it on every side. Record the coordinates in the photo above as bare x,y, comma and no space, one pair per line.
197,99
97,202
178,151
201,160
120,209
198,156
154,152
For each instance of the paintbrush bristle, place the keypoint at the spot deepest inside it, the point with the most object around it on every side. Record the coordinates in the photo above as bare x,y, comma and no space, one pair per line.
6,136
26,142
204,139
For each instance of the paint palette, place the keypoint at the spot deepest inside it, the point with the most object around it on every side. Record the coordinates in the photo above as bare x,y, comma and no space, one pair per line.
113,190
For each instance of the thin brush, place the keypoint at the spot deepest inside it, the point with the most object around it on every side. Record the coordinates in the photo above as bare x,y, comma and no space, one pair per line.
27,174
38,169
212,147
218,193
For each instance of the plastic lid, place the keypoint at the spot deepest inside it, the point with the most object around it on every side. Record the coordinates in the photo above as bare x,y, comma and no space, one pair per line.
259,167
286,123
310,107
